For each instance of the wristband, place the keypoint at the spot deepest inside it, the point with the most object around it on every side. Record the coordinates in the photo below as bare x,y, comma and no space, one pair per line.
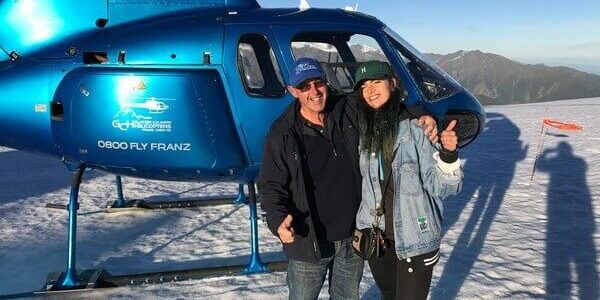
448,156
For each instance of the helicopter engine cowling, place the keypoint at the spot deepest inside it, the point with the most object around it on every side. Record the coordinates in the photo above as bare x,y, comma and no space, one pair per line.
163,123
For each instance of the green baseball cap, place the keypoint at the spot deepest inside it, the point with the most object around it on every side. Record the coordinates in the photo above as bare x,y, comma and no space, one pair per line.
372,69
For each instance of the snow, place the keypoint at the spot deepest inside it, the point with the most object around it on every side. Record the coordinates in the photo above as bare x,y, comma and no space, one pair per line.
506,237
367,49
461,54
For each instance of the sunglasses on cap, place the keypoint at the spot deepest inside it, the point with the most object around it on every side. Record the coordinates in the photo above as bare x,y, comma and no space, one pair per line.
305,86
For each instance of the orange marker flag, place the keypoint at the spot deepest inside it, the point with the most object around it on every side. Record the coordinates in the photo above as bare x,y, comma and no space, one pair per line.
563,126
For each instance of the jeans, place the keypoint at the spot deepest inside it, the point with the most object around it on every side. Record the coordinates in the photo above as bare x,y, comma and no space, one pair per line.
305,279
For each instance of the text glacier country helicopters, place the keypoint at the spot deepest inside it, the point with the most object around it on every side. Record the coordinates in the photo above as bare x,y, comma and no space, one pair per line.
183,90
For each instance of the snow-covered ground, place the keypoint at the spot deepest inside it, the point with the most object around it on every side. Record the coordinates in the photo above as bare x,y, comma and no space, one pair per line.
506,236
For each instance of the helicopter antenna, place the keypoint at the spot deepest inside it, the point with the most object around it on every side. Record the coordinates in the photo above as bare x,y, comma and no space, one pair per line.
304,5
350,8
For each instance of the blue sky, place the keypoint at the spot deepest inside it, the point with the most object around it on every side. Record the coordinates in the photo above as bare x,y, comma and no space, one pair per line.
545,31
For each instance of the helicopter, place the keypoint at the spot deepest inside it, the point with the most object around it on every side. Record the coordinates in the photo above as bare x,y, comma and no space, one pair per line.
184,90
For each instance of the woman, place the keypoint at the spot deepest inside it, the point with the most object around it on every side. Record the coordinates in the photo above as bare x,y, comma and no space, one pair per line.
404,180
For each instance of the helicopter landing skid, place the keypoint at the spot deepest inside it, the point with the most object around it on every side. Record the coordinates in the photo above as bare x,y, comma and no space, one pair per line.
120,204
95,280
71,279
132,205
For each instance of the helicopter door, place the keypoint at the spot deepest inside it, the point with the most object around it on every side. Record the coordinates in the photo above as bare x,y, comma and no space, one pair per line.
252,63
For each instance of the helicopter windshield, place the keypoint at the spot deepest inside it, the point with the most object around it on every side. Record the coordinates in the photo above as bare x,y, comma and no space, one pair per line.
433,82
340,54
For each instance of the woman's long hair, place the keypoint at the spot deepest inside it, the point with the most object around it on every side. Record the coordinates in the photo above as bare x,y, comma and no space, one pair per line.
378,128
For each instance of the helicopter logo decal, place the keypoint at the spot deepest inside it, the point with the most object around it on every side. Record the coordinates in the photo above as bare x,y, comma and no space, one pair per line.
131,116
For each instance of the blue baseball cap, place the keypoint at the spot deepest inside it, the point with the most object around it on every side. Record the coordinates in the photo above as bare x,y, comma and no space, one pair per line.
305,68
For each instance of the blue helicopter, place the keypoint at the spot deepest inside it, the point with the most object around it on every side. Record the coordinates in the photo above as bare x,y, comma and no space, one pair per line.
184,90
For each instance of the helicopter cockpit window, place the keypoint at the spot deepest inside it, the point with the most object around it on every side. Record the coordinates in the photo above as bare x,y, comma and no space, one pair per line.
329,57
433,82
258,67
339,53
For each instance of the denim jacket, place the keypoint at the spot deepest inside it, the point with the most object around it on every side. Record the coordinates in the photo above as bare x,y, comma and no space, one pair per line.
419,186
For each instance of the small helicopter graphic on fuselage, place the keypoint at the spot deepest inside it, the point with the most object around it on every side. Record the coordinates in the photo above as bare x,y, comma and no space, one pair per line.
153,106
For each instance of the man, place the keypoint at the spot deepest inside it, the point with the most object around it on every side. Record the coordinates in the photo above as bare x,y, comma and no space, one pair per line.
309,183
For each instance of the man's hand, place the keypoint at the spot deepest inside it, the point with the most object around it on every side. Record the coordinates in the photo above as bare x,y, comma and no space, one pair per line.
429,127
285,230
448,137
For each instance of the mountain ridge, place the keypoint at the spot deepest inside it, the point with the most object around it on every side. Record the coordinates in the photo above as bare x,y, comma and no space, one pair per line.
495,79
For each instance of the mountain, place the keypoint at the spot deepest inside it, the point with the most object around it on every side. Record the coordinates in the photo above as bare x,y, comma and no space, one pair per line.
324,52
494,79
365,52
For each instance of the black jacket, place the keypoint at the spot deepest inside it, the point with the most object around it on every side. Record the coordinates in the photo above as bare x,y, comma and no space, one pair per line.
282,178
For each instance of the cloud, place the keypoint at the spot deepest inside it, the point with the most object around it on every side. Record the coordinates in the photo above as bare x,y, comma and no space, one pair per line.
587,45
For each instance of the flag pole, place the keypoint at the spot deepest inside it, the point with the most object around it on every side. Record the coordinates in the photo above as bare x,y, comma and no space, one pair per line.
540,144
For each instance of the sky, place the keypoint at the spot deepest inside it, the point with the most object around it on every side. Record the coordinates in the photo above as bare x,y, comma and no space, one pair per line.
533,31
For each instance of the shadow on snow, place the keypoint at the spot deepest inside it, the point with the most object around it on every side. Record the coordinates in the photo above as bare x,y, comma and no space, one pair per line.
488,171
570,227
